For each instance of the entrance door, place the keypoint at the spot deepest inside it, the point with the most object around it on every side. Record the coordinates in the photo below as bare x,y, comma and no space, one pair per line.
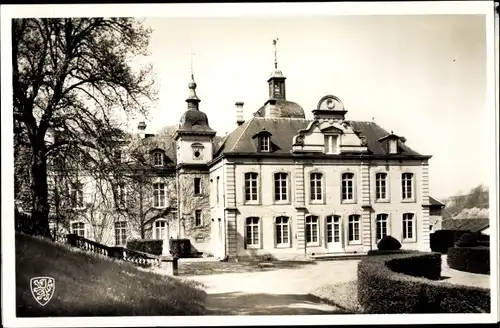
333,234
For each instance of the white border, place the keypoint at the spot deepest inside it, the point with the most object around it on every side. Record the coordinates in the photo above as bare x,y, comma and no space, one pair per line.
231,10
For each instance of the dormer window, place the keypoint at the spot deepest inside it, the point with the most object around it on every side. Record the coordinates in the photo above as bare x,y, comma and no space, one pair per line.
392,142
158,158
393,146
331,144
264,143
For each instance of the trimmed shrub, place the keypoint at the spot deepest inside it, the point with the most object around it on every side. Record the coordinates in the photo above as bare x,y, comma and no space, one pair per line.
382,290
180,248
388,243
151,246
467,240
441,240
374,252
469,259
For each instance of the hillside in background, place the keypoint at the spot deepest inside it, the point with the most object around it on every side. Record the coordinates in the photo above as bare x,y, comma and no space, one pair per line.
87,284
474,204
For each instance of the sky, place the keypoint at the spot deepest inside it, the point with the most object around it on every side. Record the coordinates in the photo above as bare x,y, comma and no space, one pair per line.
421,76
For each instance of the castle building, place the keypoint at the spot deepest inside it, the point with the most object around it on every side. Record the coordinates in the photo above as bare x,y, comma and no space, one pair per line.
280,185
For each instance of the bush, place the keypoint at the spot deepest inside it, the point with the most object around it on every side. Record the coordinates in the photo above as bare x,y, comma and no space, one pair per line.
374,252
467,240
180,248
151,246
382,290
441,240
388,243
469,259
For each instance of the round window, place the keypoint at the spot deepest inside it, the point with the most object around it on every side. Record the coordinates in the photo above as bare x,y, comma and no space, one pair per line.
197,153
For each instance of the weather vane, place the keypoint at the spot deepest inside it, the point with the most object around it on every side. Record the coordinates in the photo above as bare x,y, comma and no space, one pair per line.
192,54
275,41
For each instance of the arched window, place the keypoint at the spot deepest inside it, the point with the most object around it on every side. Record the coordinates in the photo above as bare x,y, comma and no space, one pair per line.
251,187
407,185
381,186
348,186
282,231
312,230
354,222
316,187
408,227
280,187
382,226
78,228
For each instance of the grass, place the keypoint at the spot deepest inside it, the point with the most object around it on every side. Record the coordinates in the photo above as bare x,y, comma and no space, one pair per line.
209,268
88,284
342,295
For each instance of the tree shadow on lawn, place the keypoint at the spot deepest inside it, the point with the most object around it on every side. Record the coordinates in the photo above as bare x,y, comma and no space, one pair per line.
237,303
209,268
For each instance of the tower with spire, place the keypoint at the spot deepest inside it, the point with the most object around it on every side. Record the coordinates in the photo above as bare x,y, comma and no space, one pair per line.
194,135
276,80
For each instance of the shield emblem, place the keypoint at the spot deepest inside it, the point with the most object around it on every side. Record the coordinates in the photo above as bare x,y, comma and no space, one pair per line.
42,289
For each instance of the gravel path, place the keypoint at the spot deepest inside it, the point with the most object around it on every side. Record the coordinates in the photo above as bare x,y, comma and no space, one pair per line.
280,292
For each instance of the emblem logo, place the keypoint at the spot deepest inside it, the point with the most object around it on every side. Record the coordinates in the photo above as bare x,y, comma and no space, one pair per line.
42,289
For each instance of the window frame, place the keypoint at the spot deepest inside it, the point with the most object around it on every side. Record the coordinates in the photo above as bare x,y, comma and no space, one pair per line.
121,233
197,188
248,186
258,233
328,139
155,197
382,218
278,243
358,222
404,188
353,181
386,187
79,229
312,243
196,212
156,228
287,188
78,199
321,179
413,239
158,154
264,143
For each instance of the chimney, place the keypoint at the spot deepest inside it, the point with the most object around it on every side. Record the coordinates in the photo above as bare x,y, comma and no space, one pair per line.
239,113
142,127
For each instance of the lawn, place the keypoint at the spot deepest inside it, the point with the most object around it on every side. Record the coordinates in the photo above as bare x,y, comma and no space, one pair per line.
93,285
187,268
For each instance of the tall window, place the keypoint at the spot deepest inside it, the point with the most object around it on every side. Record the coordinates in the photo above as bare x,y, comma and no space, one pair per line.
160,229
121,196
408,226
252,227
333,229
331,144
381,186
251,186
280,187
348,186
217,191
354,228
158,158
282,229
159,194
76,194
381,226
197,186
121,233
78,228
312,230
264,143
407,185
197,218
316,188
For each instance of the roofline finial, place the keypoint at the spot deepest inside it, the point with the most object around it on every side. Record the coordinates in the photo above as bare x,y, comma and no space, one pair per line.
192,54
275,41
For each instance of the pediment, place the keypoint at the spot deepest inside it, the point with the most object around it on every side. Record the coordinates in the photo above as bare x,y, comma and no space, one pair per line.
331,130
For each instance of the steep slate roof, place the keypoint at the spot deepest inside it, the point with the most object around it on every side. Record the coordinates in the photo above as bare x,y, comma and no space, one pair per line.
283,130
434,202
472,225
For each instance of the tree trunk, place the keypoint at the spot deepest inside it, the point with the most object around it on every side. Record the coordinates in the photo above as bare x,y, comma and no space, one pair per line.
40,208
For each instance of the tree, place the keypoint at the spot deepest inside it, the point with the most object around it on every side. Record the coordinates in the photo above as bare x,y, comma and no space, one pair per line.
74,76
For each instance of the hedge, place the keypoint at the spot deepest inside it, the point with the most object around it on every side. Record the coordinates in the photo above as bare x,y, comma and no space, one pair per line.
151,246
384,291
383,252
441,240
469,259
